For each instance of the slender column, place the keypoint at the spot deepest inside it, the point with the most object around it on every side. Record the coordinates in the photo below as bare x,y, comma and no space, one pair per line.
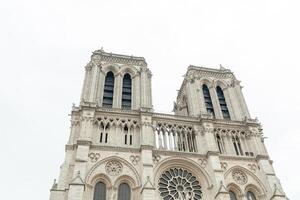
92,95
170,141
175,140
136,92
165,140
100,88
117,91
215,102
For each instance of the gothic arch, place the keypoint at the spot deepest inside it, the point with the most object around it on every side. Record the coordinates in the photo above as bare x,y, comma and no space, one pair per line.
125,179
195,168
258,185
101,178
236,189
255,190
130,70
136,179
222,84
110,67
206,81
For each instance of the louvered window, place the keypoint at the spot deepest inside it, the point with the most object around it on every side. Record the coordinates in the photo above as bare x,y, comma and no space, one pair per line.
207,100
232,195
108,90
100,191
222,103
124,192
126,92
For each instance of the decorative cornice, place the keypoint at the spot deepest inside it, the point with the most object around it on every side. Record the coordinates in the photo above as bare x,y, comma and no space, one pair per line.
178,153
114,148
100,55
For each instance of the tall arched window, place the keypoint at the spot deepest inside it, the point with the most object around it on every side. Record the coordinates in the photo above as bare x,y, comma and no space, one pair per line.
108,90
232,195
100,191
250,196
207,100
222,103
220,144
237,145
126,92
124,192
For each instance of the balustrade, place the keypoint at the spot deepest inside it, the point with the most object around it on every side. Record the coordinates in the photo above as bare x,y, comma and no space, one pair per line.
175,137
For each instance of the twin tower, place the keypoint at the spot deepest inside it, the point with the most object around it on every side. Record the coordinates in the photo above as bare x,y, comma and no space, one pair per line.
120,149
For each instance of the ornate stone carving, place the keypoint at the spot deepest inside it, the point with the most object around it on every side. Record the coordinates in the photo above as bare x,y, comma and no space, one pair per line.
252,167
134,159
114,168
240,177
103,56
224,165
156,158
94,157
121,122
202,162
207,128
179,184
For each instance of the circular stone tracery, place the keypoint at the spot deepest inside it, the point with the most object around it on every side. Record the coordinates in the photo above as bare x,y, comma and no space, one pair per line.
240,177
179,184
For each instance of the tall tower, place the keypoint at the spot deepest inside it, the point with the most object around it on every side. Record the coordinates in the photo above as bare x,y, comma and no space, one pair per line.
119,149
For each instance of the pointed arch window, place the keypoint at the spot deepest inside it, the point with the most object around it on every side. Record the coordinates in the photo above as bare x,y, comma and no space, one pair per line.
108,90
250,196
100,191
222,102
220,144
237,146
126,92
207,100
124,192
232,195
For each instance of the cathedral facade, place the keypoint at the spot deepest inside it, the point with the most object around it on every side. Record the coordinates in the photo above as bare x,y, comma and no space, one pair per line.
120,149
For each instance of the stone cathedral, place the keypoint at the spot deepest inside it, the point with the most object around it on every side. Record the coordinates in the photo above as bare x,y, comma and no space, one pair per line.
120,149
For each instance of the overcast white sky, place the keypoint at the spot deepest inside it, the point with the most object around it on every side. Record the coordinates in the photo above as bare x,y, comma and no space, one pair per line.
45,45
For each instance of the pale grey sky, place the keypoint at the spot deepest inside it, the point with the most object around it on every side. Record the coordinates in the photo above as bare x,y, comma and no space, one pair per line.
45,45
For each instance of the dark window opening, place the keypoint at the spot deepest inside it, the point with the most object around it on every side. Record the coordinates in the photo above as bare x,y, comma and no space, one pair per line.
126,92
100,191
207,100
130,142
106,136
222,102
108,90
101,135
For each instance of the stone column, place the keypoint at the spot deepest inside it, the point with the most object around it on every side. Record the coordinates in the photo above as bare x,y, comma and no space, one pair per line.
191,100
136,95
117,100
86,84
100,88
215,102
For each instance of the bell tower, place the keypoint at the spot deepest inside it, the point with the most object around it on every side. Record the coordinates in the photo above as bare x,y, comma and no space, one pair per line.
117,81
214,92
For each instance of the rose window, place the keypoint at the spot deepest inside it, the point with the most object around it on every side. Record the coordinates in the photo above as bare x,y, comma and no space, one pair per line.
179,184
